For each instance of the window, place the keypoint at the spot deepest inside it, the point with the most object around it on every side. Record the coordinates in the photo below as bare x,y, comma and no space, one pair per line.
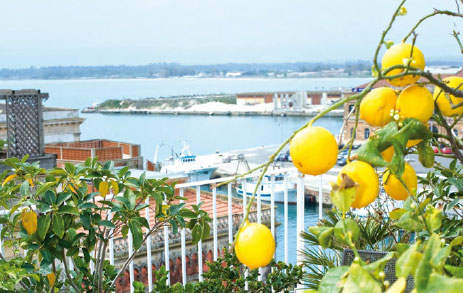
352,133
455,132
367,133
351,107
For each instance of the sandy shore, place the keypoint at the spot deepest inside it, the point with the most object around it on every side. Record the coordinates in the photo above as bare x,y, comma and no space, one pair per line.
217,108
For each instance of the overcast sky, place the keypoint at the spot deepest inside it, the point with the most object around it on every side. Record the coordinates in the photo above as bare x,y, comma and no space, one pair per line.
101,32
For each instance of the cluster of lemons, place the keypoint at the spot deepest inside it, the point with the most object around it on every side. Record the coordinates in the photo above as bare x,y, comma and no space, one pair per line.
314,149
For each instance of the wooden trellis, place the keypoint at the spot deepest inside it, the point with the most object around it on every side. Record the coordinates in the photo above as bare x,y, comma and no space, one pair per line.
24,122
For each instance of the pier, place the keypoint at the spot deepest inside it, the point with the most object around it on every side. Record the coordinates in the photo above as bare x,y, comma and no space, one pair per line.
240,161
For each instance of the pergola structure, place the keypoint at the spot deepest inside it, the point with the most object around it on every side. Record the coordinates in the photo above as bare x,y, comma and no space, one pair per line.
24,120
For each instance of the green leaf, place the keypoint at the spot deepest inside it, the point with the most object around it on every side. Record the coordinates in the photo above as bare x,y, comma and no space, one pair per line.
347,231
58,225
88,205
439,259
123,200
343,196
174,226
433,217
44,187
49,197
186,213
410,222
68,210
43,224
378,266
85,221
406,264
24,188
424,268
325,237
331,280
206,231
454,271
441,283
196,234
70,168
425,154
395,214
359,280
137,234
62,197
125,231
457,241
107,223
398,286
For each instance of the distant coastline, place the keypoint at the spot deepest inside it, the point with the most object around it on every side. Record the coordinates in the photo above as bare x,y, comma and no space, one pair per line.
214,104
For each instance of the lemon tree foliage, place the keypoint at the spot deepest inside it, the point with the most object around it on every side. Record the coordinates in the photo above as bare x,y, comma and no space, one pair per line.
226,275
429,243
61,216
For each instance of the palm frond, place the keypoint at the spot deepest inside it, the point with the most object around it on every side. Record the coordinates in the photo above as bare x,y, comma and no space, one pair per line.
316,263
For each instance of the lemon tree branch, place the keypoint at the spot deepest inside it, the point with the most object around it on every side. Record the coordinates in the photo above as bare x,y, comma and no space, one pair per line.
436,12
383,36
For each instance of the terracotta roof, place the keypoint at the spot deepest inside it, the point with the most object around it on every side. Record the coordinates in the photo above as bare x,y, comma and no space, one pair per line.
190,195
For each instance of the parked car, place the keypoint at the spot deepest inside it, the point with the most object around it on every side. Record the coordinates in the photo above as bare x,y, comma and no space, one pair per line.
444,150
281,157
342,161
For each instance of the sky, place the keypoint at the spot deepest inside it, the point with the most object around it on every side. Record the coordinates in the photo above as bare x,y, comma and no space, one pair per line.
113,32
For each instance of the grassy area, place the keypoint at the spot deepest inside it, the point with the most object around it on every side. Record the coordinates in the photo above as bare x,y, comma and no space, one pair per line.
170,102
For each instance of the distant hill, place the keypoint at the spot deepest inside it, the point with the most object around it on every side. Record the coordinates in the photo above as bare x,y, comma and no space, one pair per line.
159,70
358,68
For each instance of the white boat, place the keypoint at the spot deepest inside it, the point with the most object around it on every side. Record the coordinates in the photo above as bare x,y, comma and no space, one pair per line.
187,163
266,189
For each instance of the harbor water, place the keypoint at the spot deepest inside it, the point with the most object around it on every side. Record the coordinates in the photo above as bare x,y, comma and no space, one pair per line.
204,134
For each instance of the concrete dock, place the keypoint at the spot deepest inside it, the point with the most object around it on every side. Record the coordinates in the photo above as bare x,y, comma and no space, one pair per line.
240,161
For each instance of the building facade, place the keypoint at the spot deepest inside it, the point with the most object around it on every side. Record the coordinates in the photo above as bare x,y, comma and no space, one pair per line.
59,124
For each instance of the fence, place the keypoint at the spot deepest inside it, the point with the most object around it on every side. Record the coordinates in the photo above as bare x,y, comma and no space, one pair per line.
230,224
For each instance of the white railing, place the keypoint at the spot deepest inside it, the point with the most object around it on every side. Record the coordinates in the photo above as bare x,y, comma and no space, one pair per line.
153,242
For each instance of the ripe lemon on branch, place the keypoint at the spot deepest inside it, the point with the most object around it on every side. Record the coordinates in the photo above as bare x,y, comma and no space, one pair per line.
443,99
395,189
255,245
314,150
29,222
401,54
415,102
376,106
368,183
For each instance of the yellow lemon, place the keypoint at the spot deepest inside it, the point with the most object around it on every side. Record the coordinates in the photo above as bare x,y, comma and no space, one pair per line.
388,153
29,222
376,106
415,102
368,183
314,150
443,99
395,189
255,245
51,279
400,54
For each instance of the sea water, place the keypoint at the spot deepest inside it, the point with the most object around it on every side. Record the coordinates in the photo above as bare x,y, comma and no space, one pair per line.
204,134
